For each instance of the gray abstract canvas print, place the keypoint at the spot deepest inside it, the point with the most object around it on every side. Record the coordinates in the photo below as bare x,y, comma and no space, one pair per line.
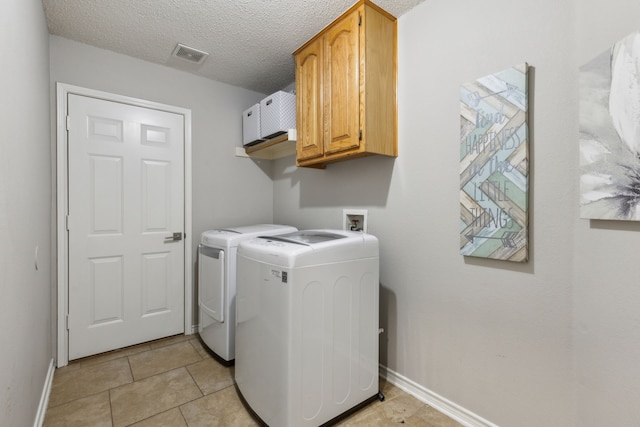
610,133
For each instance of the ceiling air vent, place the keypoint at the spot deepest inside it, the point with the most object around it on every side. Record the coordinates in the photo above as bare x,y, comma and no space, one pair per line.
189,54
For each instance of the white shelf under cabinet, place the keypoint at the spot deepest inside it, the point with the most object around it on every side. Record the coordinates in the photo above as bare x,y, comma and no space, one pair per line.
274,148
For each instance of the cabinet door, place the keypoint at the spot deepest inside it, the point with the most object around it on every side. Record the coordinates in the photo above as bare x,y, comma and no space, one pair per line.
309,101
341,85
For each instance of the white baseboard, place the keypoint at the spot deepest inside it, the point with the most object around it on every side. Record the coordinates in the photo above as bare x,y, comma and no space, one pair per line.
44,398
450,409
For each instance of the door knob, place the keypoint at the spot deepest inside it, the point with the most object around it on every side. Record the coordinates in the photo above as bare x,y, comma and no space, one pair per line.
176,237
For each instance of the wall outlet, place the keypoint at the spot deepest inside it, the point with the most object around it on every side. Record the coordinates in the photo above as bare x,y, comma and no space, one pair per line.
354,220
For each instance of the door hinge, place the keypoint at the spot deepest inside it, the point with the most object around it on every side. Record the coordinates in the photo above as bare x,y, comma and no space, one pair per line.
67,222
67,322
68,123
359,20
360,136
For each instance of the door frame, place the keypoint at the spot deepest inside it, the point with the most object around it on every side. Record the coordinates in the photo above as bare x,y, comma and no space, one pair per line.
62,201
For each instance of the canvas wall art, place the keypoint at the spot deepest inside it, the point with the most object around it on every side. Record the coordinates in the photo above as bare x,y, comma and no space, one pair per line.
494,166
610,133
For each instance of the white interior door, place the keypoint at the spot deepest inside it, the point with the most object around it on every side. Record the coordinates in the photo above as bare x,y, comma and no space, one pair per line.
126,201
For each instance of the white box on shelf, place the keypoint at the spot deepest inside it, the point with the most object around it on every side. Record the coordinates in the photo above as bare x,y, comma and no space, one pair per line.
251,125
277,114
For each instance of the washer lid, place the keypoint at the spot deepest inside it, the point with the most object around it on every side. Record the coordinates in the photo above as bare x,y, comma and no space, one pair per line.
307,237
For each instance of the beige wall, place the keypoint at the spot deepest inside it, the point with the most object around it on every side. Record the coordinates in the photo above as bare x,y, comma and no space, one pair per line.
25,211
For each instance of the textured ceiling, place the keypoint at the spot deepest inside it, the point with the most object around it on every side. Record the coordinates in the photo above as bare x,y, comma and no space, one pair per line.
249,41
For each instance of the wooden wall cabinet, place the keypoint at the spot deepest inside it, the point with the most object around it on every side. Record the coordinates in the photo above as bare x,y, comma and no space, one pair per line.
346,89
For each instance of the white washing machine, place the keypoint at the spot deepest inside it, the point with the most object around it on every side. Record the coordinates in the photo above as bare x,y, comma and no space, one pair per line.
217,283
307,325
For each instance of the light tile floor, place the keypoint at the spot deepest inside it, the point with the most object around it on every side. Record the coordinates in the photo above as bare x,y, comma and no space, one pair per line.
176,382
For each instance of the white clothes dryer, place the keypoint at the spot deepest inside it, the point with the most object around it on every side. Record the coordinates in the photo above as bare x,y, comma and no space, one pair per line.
307,325
217,283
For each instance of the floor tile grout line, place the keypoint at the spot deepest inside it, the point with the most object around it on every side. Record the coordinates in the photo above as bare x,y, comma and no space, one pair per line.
193,379
168,409
110,407
151,416
196,350
183,403
82,397
90,394
182,415
198,398
171,369
133,380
